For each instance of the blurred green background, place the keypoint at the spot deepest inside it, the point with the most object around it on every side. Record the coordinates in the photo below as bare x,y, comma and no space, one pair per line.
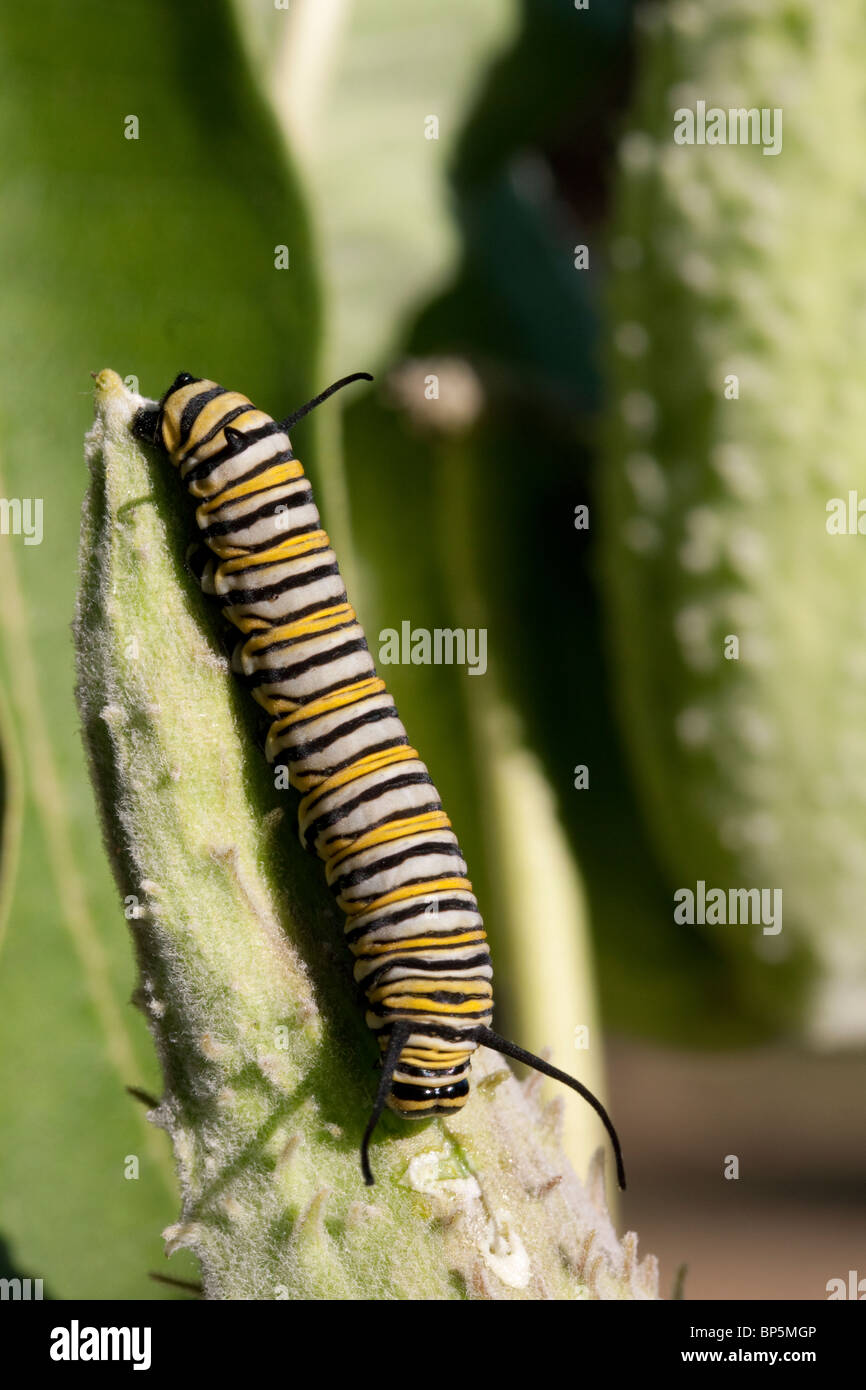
257,128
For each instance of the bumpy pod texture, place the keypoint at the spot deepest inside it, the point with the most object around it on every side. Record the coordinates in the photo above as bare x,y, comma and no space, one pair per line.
247,988
737,364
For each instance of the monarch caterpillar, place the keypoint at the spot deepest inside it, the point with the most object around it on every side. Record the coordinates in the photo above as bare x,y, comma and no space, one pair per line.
368,807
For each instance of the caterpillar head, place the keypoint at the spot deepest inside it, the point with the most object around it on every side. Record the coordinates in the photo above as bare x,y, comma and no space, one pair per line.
149,422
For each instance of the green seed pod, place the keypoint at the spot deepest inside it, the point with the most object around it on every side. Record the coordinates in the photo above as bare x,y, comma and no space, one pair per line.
737,413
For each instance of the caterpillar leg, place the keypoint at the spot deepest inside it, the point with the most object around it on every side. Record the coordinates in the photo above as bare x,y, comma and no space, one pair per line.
397,1041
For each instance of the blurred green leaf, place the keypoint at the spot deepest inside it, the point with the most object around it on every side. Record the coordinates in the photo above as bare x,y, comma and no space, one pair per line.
554,87
157,251
354,86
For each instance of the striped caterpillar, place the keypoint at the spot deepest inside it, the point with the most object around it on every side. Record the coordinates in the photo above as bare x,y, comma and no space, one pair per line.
368,806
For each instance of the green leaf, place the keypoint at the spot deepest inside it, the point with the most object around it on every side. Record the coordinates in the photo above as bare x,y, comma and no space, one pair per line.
353,86
157,252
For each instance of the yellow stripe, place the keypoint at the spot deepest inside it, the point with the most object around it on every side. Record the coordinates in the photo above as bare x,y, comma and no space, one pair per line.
415,943
352,925
285,712
173,411
261,482
348,695
371,762
274,704
305,781
211,414
393,830
426,1058
247,622
418,989
214,410
288,549
404,1107
431,1006
324,621
399,895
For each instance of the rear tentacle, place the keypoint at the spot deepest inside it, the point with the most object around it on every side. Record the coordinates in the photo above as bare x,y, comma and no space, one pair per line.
322,396
510,1049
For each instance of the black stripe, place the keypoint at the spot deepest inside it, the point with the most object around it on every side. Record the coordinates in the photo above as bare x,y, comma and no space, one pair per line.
481,1007
398,815
329,818
317,549
213,461
268,591
413,1069
256,548
191,412
264,565
404,914
223,421
310,610
284,643
406,1091
351,726
302,498
273,675
458,967
433,1031
399,741
323,690
284,759
377,789
393,861
447,996
442,940
361,904
416,1013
